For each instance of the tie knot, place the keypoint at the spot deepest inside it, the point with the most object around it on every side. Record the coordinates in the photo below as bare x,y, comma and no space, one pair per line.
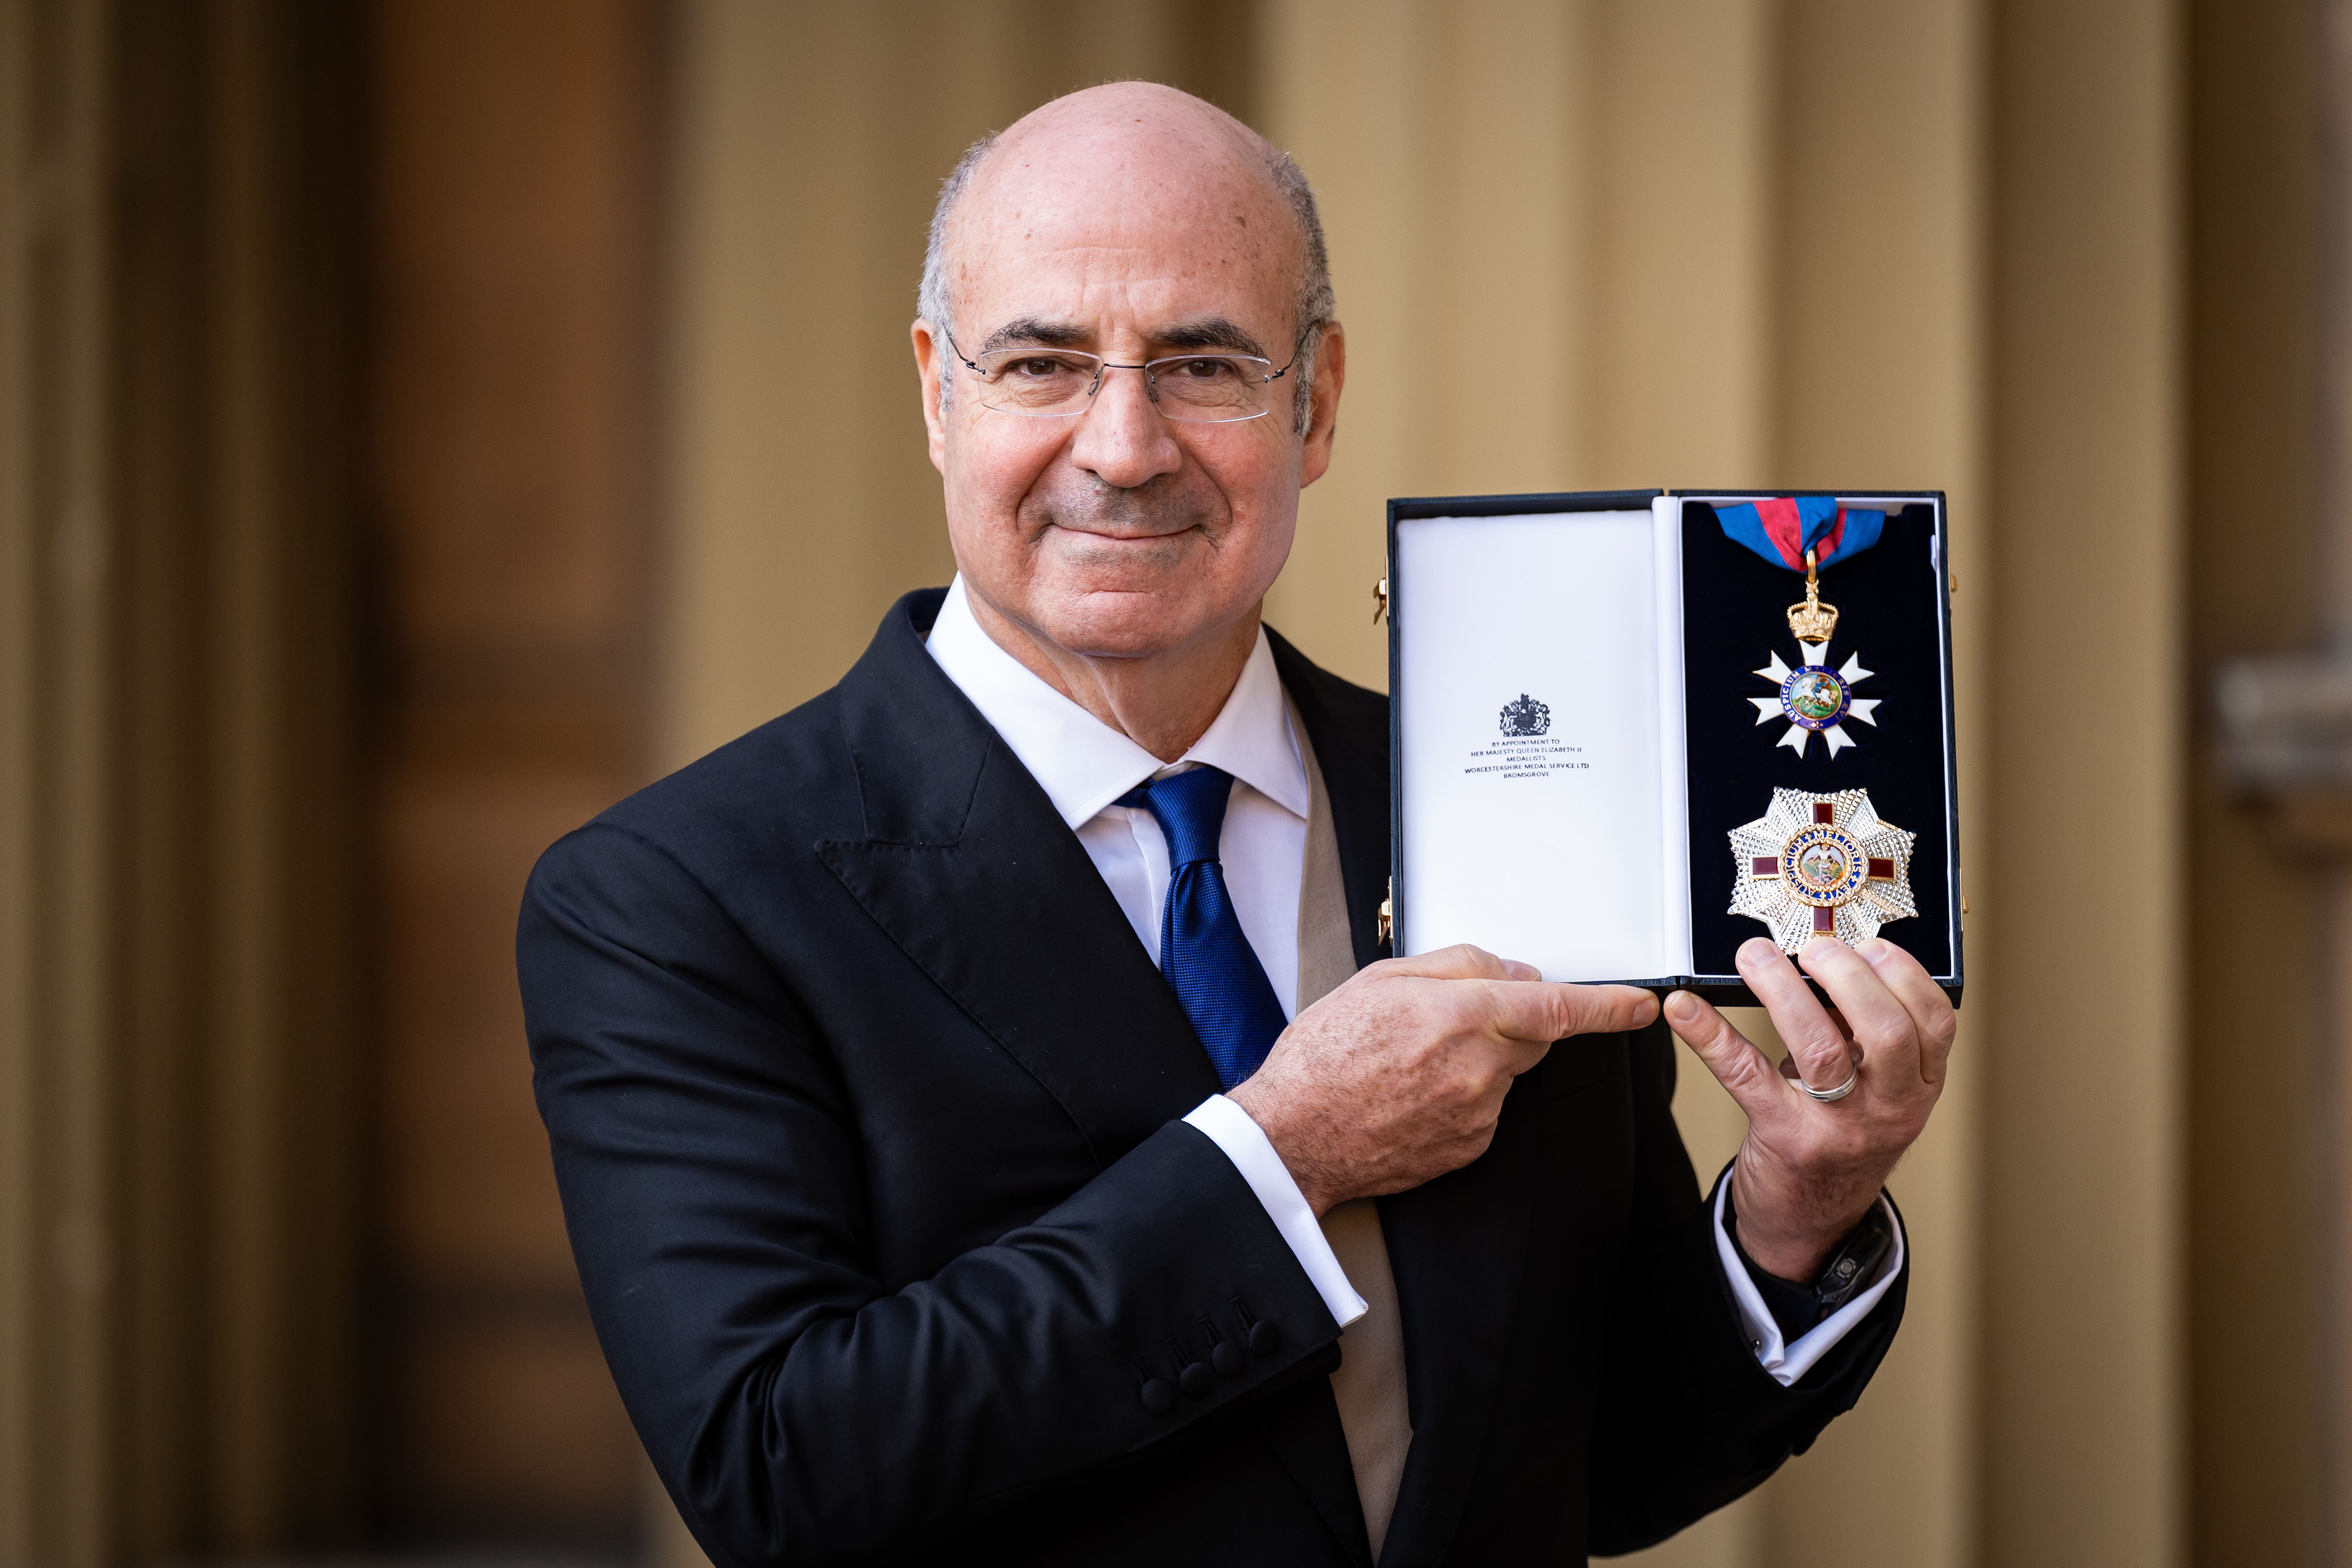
1190,807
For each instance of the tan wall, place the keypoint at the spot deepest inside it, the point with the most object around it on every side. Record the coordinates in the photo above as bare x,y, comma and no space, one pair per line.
180,1194
2083,1011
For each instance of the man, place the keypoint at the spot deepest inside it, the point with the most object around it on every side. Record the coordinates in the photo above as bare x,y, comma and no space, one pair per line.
882,1051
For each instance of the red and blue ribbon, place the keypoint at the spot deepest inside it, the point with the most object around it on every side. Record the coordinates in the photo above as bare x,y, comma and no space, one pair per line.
1782,529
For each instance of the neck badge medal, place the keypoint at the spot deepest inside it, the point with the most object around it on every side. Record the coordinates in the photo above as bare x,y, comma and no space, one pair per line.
1805,533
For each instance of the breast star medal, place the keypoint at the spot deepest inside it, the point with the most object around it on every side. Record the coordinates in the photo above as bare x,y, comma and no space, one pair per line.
1806,533
1821,865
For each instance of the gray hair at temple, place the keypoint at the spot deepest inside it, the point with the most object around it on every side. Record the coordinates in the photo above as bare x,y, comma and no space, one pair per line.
1315,301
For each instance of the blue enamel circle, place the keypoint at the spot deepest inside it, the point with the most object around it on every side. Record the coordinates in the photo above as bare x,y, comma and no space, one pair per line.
1814,697
1823,865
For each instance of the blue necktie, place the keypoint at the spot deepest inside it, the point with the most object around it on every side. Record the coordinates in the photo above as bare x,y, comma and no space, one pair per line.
1205,958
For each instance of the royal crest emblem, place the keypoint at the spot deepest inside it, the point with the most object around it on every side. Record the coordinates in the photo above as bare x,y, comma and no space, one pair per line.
1526,716
1821,865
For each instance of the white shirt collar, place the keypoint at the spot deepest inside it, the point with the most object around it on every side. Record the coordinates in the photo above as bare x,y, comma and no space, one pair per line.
1086,765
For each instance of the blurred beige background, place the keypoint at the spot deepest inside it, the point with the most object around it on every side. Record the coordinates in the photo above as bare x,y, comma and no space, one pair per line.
402,457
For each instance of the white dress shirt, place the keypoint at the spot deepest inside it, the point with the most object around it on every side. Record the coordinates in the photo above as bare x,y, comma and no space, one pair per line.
1084,766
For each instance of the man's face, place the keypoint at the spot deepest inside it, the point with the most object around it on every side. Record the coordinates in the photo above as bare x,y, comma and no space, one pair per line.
1117,532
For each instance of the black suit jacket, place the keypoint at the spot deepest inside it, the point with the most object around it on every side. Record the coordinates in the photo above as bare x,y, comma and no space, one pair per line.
865,1108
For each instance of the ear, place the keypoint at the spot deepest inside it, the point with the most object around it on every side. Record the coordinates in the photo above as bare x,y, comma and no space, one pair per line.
1323,408
930,364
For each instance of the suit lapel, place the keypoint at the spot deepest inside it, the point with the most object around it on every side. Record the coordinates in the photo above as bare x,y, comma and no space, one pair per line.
1457,1246
1348,727
973,874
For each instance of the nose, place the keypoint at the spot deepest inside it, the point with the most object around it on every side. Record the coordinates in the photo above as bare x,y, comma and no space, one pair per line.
1121,439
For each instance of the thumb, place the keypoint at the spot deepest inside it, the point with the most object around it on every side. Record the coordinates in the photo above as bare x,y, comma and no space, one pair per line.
1745,1073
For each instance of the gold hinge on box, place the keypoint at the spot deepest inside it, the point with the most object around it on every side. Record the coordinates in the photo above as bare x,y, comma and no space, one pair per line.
1379,601
1388,930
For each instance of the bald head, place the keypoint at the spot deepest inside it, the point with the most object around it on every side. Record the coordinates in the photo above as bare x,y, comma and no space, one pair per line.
1116,162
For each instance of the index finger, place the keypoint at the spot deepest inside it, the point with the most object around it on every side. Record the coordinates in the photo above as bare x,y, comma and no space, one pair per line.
1460,962
1548,1010
1930,1009
1815,1042
1875,1017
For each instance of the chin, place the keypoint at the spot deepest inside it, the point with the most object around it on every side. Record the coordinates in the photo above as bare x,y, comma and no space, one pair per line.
1127,623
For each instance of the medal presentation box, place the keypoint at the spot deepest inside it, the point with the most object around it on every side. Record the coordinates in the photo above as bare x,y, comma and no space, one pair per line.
1626,739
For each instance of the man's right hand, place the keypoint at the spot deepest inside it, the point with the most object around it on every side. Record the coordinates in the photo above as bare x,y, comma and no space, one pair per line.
1397,1077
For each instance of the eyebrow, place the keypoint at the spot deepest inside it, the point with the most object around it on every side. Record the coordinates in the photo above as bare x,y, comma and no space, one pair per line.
1037,331
1210,333
1203,332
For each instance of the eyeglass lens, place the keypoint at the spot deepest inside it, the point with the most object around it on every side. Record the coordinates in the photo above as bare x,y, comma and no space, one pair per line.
1055,383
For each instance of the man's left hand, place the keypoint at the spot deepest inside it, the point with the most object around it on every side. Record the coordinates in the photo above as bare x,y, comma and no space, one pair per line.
1809,1171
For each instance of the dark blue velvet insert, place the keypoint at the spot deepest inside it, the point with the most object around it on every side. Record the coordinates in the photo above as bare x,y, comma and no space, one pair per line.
1735,619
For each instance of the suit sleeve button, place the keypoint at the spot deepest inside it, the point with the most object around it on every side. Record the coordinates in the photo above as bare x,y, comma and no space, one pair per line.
1158,1397
1265,1339
1193,1380
1226,1358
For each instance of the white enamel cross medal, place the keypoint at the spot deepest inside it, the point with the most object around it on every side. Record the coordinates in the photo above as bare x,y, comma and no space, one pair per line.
1821,865
1814,698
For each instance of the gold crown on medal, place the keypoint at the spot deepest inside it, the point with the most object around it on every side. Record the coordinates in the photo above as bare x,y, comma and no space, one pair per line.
1812,621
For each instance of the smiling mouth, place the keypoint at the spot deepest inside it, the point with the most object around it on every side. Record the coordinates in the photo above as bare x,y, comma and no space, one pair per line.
1109,536
1083,548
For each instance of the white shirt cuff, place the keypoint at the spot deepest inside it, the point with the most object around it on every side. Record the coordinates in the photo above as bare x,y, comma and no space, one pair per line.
1229,1127
1788,1363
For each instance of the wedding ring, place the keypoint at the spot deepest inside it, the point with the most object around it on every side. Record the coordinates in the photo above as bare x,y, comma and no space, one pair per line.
1840,1092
